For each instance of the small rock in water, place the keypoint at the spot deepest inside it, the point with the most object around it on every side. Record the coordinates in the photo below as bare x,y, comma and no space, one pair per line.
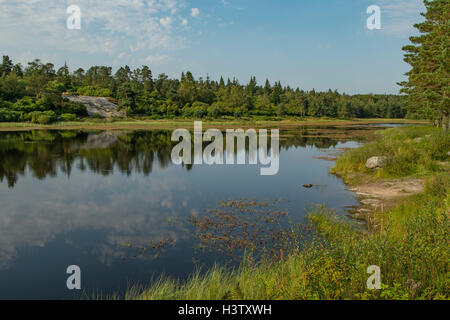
376,162
308,186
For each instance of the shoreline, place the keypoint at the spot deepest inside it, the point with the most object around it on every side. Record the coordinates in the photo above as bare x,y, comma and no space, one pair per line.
415,225
379,194
189,123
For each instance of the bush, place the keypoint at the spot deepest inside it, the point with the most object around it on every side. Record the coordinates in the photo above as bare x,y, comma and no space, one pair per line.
214,112
10,115
5,104
68,117
39,117
43,119
237,114
94,91
71,107
198,114
97,116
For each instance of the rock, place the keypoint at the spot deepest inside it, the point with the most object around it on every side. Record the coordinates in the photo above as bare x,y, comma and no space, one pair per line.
418,139
101,106
376,162
371,202
448,153
308,186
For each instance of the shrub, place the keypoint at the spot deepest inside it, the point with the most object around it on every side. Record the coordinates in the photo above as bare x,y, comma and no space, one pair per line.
43,119
198,114
10,115
68,117
5,104
70,107
214,112
94,91
39,117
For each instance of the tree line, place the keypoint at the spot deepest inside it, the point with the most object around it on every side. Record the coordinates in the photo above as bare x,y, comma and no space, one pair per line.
37,90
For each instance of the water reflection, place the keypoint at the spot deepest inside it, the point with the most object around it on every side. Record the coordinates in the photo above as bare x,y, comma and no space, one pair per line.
43,153
96,198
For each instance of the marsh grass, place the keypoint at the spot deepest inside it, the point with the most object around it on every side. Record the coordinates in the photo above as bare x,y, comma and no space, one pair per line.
411,247
411,151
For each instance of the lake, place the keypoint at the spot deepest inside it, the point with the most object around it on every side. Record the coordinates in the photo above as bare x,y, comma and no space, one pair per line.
113,203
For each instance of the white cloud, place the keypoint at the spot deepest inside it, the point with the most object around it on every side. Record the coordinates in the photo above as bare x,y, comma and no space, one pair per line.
195,12
166,22
399,16
154,59
227,4
107,27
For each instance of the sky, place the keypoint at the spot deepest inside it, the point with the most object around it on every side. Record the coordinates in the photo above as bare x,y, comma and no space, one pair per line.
320,44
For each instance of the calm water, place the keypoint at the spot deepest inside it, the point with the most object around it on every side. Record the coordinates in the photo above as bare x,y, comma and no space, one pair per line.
93,198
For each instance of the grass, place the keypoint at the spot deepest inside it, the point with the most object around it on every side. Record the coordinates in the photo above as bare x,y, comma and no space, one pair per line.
411,248
136,123
411,152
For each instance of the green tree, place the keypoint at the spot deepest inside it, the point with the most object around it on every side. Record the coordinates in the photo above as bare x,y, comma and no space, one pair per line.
6,66
428,85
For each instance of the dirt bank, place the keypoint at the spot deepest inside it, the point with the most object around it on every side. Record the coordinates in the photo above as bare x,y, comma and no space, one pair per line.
381,195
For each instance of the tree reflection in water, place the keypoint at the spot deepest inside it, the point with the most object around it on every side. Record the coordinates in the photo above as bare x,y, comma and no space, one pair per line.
45,153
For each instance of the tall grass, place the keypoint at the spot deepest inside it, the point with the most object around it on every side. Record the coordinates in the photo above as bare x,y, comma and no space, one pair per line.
411,151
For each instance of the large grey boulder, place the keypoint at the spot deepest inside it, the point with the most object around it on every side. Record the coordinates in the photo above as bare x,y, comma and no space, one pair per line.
98,105
376,162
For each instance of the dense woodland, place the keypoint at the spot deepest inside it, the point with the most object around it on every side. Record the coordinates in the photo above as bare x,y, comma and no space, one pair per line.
34,93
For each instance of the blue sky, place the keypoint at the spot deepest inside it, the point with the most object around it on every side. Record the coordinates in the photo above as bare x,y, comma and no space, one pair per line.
317,44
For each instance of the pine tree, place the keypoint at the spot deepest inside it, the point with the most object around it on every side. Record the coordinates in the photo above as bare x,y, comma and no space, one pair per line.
428,86
6,66
267,88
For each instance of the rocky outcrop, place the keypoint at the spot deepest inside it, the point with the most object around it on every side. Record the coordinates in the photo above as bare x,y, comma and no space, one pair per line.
98,106
376,162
